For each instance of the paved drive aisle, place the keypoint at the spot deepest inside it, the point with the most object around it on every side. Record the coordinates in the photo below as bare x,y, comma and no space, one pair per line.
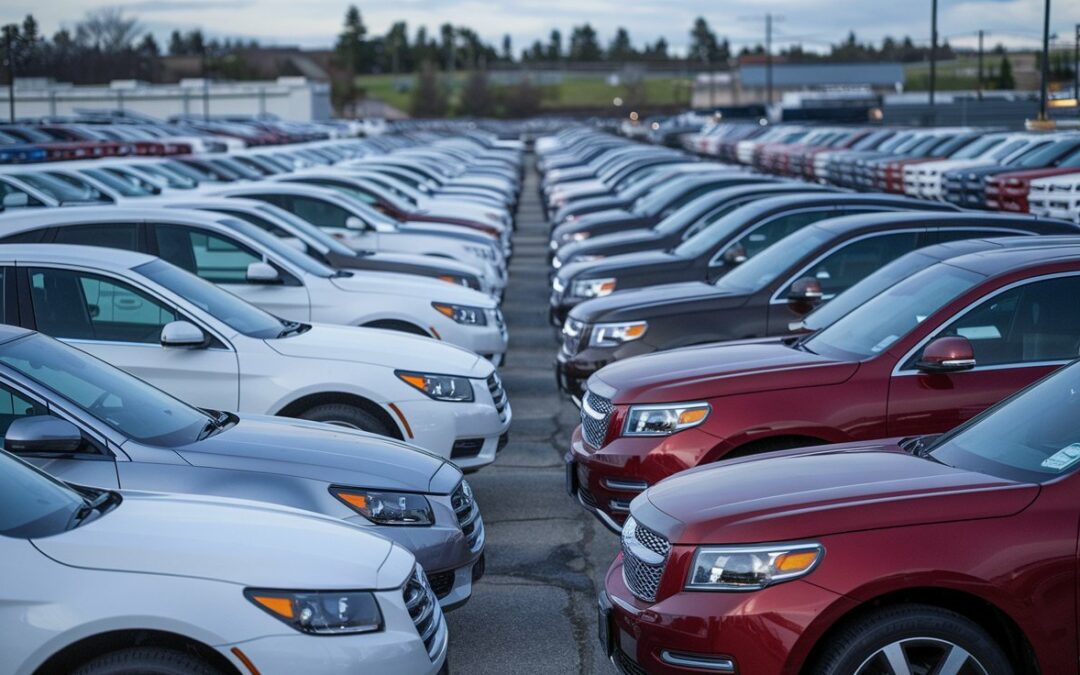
535,611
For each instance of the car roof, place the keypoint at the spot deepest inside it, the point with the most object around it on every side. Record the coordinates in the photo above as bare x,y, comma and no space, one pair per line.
993,262
889,220
787,202
9,332
59,217
91,256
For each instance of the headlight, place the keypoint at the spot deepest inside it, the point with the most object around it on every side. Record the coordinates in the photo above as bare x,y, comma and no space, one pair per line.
751,568
463,314
321,613
614,334
440,387
557,285
484,252
553,245
567,237
556,262
457,281
664,419
593,288
387,508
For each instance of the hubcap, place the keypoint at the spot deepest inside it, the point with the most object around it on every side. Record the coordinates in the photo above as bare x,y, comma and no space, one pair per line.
921,656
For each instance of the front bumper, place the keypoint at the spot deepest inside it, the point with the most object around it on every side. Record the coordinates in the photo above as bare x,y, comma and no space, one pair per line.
437,426
759,633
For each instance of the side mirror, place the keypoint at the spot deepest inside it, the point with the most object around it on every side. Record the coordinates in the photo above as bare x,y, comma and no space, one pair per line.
735,255
806,290
947,355
262,273
42,433
354,223
183,334
16,200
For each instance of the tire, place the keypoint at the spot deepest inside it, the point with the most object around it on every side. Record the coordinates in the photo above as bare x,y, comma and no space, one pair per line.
345,415
147,661
923,637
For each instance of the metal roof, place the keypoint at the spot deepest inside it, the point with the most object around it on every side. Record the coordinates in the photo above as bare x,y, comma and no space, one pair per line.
824,74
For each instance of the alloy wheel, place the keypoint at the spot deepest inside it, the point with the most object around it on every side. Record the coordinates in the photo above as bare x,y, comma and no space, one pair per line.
921,656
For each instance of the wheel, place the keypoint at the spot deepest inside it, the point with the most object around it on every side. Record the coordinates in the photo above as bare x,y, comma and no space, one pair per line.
147,661
912,640
345,415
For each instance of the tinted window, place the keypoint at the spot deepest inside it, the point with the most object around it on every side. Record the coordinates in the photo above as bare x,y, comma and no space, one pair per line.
13,406
1036,322
318,212
763,269
118,235
64,189
211,256
842,269
774,229
33,504
83,306
13,198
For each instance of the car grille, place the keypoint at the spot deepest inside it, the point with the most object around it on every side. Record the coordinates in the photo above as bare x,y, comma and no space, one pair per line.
442,583
498,394
425,612
575,335
595,417
468,515
626,664
644,556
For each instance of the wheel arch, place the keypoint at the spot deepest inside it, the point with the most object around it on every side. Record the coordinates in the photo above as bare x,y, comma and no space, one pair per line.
83,650
989,616
401,325
298,405
779,440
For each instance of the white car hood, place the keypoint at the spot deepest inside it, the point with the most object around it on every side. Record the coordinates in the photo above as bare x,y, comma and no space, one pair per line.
390,283
231,540
383,348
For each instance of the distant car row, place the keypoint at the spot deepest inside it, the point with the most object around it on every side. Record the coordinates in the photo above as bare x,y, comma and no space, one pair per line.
237,407
723,315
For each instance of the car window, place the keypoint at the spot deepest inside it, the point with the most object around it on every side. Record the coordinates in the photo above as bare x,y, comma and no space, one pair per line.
1033,323
32,503
774,229
12,197
83,306
319,212
214,257
845,267
13,405
111,235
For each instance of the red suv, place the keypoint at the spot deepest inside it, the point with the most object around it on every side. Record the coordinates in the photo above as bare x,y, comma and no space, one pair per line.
923,356
955,554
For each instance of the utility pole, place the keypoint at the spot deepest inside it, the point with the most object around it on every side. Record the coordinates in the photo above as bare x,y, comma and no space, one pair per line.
205,85
979,86
933,50
1076,68
768,58
11,37
1045,62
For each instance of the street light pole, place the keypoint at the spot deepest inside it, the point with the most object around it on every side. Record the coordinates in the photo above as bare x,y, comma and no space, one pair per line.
1045,62
979,85
768,59
1076,68
933,50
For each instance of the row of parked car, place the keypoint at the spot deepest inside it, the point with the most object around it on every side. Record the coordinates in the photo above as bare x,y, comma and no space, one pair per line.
974,168
238,392
740,342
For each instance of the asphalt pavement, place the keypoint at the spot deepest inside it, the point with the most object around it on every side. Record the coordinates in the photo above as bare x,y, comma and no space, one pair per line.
535,610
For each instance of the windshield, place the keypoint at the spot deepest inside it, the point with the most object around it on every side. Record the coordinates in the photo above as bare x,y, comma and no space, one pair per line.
172,178
127,186
64,189
123,402
652,203
279,248
868,288
195,173
979,147
1033,436
32,503
731,224
874,326
1044,156
762,269
220,304
274,213
687,214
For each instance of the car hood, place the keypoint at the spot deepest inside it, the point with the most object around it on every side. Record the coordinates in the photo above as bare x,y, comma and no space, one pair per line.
319,452
823,491
716,370
425,261
598,244
383,348
449,230
598,269
655,301
583,223
394,283
231,540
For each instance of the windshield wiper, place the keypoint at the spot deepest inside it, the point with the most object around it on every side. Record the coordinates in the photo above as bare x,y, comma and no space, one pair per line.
218,420
921,446
89,507
291,327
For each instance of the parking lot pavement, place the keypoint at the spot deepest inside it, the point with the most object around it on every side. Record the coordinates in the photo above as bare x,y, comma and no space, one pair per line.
535,611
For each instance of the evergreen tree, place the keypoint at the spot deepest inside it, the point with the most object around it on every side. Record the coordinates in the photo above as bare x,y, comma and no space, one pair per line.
350,45
555,48
621,48
584,45
1005,78
429,98
477,99
703,45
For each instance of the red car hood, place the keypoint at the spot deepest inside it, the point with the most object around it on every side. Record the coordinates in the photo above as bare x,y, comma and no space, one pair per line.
802,494
710,371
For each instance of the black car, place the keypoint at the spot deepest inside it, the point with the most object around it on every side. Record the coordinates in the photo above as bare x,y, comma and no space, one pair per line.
682,224
966,187
653,206
617,189
716,249
770,292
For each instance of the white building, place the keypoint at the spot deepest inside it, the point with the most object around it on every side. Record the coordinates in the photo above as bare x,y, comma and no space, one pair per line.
291,98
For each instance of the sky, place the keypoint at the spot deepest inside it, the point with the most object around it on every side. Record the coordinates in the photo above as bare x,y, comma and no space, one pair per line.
813,23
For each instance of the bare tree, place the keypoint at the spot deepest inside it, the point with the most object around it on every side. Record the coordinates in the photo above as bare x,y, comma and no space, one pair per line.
107,29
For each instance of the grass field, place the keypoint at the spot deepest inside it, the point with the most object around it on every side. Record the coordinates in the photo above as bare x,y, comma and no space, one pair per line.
573,92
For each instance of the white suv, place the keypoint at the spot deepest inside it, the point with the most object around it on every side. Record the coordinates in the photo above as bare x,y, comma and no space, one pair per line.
267,272
99,582
212,349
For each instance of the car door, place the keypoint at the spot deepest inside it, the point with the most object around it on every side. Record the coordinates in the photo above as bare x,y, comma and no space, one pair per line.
120,324
839,269
1019,334
223,260
93,464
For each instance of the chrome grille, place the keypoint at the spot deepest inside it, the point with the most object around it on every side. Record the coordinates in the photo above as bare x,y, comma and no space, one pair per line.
468,515
575,335
425,612
644,557
498,394
595,417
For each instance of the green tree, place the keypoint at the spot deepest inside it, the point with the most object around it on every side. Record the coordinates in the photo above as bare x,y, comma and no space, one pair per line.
621,48
555,48
429,98
583,44
351,44
1005,79
703,45
477,99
